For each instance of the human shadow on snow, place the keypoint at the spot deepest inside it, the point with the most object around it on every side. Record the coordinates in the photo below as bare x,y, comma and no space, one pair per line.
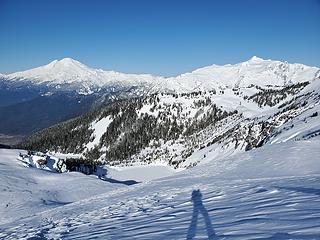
198,207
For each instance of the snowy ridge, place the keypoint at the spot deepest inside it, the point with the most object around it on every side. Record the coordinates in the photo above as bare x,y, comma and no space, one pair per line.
255,71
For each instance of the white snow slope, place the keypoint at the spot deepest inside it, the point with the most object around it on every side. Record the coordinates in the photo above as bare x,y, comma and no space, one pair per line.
266,193
255,71
25,191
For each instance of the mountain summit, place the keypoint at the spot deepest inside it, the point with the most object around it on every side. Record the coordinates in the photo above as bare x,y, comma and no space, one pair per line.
255,59
66,70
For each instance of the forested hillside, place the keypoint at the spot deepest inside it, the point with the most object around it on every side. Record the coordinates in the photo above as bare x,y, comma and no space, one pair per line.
173,128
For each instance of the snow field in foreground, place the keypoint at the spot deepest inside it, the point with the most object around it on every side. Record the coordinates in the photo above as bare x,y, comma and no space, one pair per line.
267,193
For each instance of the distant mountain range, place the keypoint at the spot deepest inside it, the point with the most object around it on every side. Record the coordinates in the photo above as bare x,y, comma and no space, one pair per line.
38,98
69,74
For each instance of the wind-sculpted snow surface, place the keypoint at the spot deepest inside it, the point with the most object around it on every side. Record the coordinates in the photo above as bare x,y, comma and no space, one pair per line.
260,194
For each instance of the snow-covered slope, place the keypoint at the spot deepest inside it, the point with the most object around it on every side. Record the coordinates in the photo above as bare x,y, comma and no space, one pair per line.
266,193
254,71
26,190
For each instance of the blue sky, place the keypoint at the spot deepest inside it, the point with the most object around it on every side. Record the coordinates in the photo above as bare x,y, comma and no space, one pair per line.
164,37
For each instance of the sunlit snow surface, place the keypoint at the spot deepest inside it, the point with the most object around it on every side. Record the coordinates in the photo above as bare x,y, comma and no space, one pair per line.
99,128
268,193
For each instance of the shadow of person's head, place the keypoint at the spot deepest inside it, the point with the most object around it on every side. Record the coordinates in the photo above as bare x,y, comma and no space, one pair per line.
196,195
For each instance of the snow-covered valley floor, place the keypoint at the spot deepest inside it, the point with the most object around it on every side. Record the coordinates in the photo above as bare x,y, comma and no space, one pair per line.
267,193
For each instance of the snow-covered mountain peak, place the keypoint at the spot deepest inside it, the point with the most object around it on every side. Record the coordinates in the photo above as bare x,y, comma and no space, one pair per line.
66,70
64,61
70,72
255,59
68,63
255,71
68,60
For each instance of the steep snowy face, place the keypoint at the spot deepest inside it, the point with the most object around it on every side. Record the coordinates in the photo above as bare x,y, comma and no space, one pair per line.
255,71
